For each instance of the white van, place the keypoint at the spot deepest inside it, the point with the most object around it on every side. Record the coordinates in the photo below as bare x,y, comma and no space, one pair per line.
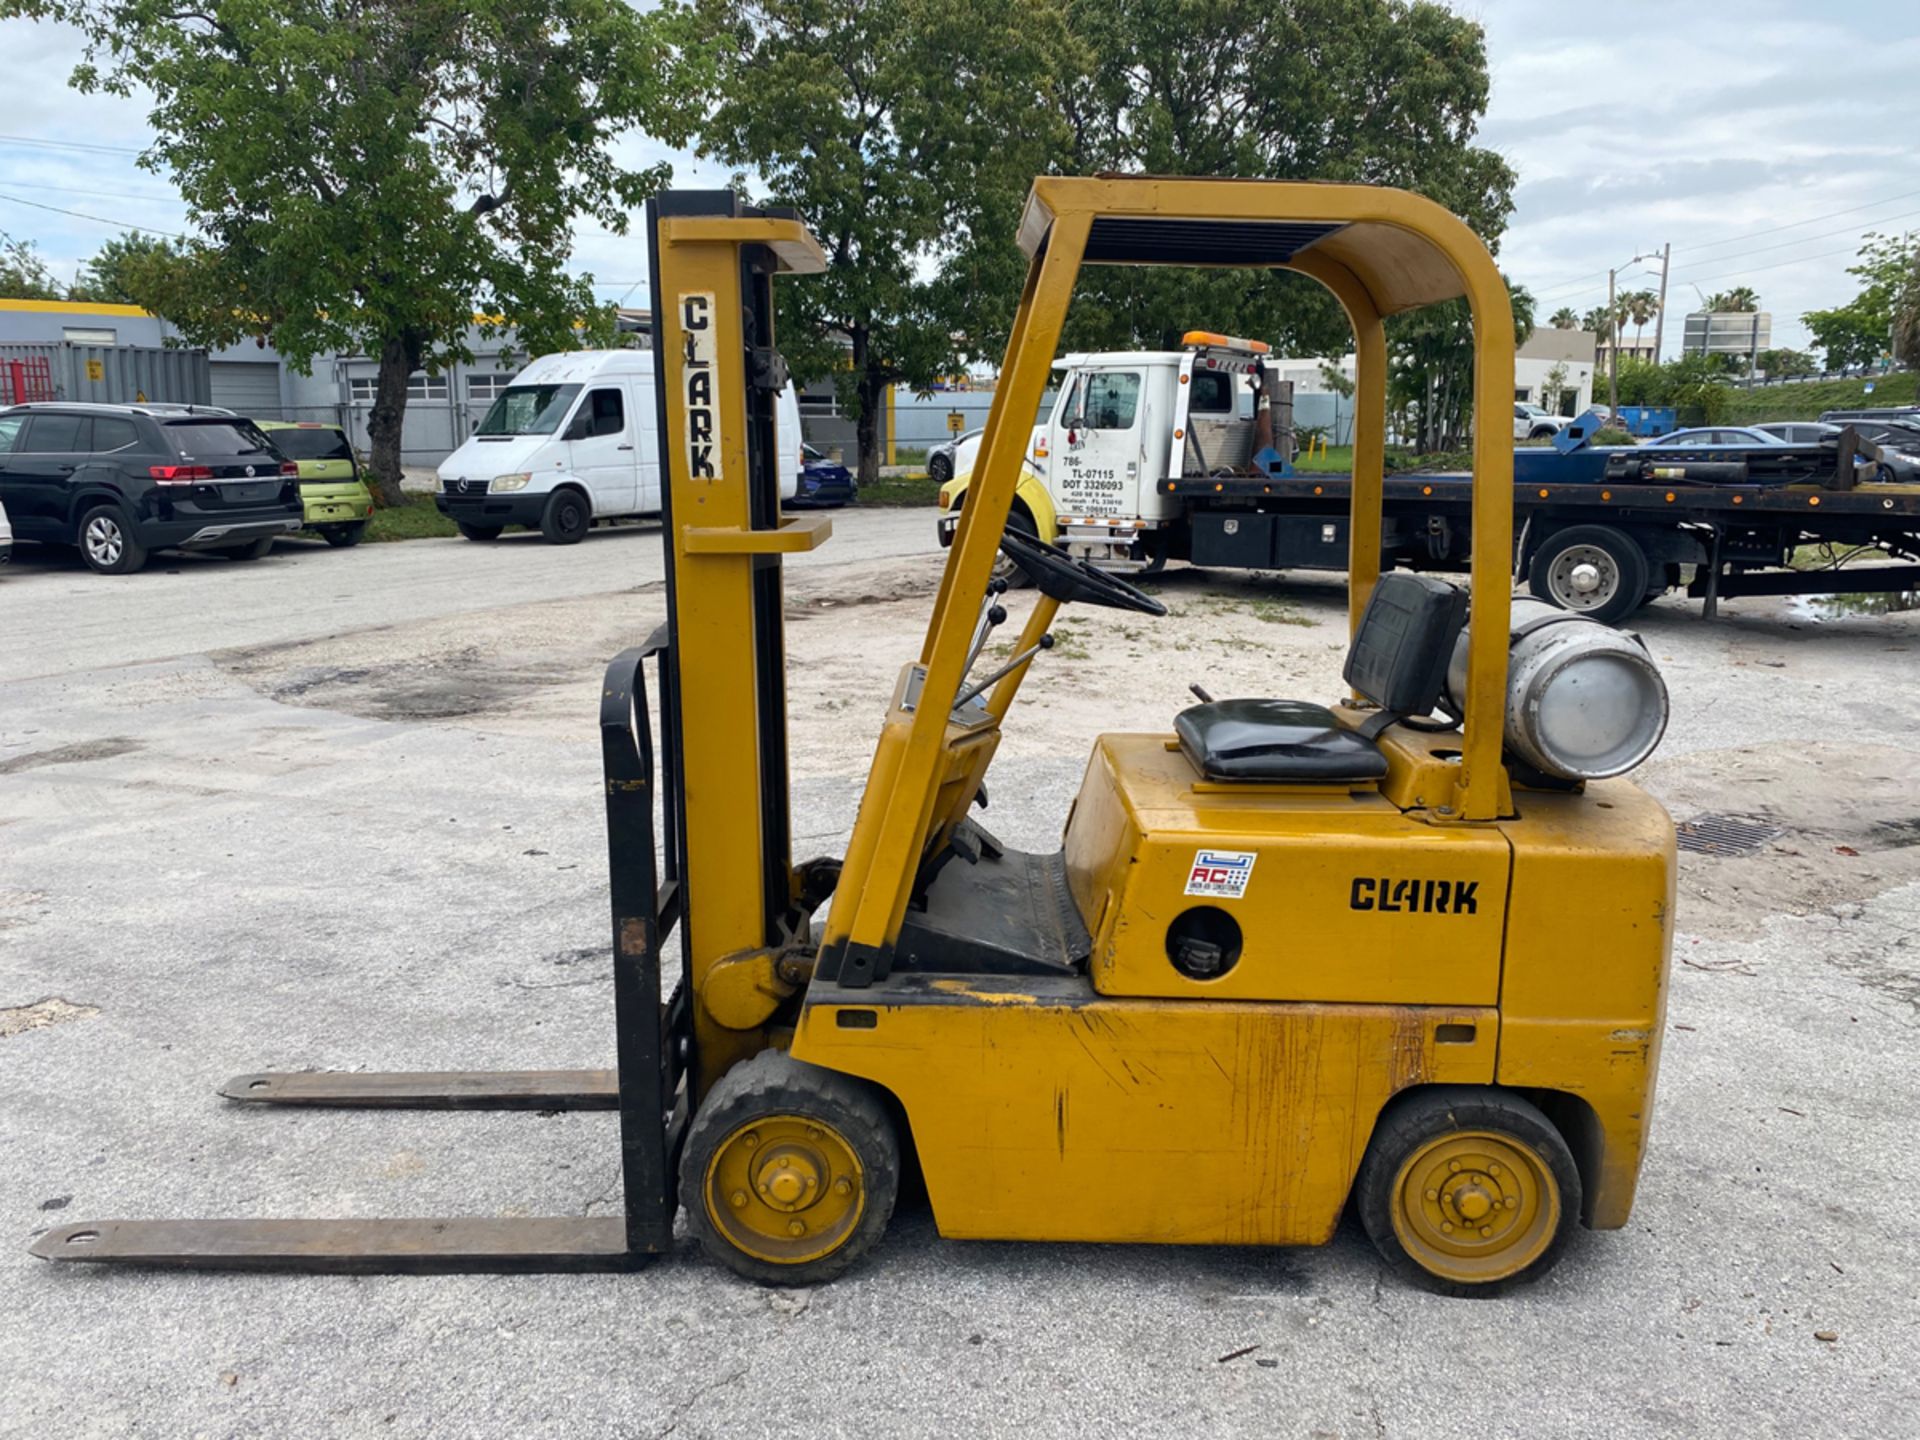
574,440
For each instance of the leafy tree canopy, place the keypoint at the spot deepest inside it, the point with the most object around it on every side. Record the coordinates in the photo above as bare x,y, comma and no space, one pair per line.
130,269
1862,331
906,133
24,272
367,173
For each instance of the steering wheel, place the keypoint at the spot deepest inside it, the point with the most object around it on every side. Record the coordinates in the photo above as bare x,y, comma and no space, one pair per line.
1062,577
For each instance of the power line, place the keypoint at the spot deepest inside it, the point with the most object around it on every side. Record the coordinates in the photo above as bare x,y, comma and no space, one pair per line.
85,145
97,219
1746,270
154,195
1811,219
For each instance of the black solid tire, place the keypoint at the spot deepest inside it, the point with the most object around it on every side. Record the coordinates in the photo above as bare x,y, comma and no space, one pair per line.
1633,581
481,533
567,518
1418,1117
252,550
773,1083
343,536
1010,570
940,469
1543,432
130,556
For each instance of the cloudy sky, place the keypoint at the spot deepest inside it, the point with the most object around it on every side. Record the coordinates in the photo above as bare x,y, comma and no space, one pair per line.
1760,137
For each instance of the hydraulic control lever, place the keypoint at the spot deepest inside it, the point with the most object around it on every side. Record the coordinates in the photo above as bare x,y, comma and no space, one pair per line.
992,613
1045,642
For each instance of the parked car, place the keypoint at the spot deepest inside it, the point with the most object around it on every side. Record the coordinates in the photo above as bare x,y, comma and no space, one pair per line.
1896,432
6,537
574,441
940,459
823,482
1530,422
334,499
1731,437
120,481
1800,432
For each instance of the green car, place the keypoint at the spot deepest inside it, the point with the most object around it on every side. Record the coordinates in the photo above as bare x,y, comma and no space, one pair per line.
336,502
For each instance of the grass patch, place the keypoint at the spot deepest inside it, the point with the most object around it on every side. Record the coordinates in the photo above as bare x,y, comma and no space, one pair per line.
1338,460
414,518
897,490
1806,400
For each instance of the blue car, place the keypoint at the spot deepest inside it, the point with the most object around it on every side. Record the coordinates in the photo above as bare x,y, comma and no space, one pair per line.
823,482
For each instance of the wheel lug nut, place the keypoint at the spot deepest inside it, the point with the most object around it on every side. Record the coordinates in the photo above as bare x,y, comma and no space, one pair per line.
813,1132
1454,1166
1493,1169
1486,1230
1513,1202
796,1227
1446,1226
739,1198
843,1186
1433,1194
750,1139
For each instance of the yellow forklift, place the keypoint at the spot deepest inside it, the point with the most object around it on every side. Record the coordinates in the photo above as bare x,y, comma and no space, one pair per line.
1407,951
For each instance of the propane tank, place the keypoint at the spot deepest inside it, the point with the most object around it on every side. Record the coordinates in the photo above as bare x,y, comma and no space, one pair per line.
1584,701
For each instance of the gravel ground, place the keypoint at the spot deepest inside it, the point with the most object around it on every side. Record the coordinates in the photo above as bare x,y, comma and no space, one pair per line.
339,809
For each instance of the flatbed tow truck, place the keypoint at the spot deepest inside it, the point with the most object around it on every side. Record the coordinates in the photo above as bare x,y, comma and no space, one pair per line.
1151,456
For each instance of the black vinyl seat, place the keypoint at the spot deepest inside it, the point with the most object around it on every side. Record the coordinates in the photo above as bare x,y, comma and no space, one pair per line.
1398,661
1274,740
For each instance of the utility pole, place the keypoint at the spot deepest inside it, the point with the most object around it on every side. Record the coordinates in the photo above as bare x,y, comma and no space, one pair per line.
1660,315
1613,350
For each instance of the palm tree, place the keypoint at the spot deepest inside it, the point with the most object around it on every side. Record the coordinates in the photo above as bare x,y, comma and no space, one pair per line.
1741,300
1601,323
1640,306
1564,319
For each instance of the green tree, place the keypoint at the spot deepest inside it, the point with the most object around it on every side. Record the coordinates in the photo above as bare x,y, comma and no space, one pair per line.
1741,300
1779,363
367,174
24,273
1864,329
906,133
1387,92
1638,306
129,269
1430,368
1565,319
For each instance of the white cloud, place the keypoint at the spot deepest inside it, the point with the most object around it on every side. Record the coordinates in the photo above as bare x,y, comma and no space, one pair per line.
1630,125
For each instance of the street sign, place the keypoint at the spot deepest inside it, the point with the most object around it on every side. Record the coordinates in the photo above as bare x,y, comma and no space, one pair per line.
96,370
956,422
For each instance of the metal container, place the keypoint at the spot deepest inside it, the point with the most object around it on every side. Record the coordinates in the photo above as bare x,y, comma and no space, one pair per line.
122,374
1584,701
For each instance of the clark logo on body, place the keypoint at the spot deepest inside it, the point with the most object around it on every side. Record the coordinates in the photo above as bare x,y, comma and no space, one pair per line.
1221,874
702,405
1386,896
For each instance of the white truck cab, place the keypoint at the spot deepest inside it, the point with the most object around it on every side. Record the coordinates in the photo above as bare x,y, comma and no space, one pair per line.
574,440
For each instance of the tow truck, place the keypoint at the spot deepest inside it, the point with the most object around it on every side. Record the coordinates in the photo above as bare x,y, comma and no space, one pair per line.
1148,456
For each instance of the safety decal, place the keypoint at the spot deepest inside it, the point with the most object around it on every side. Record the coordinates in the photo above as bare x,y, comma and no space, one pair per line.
1221,874
700,381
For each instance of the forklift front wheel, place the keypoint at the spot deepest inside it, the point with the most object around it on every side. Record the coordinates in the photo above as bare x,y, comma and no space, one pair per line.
790,1171
1467,1191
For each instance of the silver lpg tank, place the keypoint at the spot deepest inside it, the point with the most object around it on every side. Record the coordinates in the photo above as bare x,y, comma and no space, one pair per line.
1584,701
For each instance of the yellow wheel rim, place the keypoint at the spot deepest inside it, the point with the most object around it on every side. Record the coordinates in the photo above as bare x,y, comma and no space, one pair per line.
1474,1206
785,1189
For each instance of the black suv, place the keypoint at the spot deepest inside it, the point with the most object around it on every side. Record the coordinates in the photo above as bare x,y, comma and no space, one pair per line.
121,480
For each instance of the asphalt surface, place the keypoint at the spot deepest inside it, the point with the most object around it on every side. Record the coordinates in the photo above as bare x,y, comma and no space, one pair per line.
212,882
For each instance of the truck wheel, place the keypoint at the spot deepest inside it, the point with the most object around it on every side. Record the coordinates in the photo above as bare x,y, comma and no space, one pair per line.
1468,1191
1543,432
481,533
343,536
567,519
940,469
1593,570
106,542
1005,569
790,1171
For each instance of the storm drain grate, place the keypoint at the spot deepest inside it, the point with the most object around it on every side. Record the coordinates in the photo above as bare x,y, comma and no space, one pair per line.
1725,834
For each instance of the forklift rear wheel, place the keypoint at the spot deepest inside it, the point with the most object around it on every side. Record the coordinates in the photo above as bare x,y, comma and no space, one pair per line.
1468,1192
790,1171
1009,570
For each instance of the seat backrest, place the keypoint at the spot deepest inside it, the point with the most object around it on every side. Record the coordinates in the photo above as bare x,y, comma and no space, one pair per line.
1399,656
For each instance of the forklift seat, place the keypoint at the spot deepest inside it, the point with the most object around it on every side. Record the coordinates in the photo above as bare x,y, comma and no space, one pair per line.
1398,660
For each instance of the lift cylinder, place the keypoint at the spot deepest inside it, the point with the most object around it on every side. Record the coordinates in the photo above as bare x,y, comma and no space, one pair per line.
1584,701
